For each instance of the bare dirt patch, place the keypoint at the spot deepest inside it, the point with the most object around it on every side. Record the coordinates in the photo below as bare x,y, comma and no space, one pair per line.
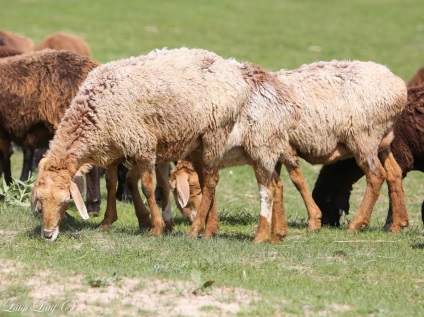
76,295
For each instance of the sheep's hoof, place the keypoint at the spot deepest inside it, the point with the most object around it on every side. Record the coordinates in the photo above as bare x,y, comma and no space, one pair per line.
313,229
104,227
169,226
209,234
355,227
260,239
396,228
156,232
194,232
277,237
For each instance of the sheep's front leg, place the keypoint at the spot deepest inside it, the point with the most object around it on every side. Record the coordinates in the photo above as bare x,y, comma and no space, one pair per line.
111,180
142,213
210,180
314,213
212,221
375,175
149,191
397,196
162,177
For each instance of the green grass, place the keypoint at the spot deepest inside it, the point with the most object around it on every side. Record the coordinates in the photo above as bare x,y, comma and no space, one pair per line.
330,273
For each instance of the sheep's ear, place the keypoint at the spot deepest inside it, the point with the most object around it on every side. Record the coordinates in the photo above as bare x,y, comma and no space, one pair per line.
79,180
183,188
76,195
34,202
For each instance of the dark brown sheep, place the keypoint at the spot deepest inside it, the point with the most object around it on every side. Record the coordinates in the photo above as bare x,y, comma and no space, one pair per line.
35,90
334,184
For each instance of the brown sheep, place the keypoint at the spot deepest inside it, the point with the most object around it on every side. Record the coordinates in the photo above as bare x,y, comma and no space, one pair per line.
16,41
65,41
35,89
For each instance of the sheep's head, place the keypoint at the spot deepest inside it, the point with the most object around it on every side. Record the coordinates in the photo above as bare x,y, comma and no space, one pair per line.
184,183
50,197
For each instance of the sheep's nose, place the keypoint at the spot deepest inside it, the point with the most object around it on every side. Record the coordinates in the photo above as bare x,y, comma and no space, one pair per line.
48,234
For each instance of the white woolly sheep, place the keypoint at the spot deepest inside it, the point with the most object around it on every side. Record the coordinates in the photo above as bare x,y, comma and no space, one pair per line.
153,109
156,108
347,109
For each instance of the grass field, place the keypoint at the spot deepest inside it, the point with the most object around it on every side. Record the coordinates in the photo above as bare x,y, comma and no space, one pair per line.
124,272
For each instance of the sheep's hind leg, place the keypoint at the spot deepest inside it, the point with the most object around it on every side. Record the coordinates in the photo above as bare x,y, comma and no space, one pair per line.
111,214
314,213
266,184
375,178
142,213
397,196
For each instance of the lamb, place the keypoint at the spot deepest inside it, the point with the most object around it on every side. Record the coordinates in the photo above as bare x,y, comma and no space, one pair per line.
65,41
16,41
343,115
333,187
35,90
152,109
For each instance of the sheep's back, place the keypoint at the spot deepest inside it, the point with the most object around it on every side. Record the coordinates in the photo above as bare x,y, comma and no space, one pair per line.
162,101
37,87
341,99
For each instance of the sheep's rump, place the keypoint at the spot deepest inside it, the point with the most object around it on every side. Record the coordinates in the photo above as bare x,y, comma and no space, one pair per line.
37,87
340,100
159,103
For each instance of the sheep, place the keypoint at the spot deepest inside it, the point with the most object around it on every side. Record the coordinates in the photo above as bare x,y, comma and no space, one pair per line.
334,184
35,90
16,41
153,109
56,41
65,41
343,114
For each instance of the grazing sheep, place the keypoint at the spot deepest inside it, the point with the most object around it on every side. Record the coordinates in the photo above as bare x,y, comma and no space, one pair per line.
334,184
153,109
343,115
16,41
65,41
35,90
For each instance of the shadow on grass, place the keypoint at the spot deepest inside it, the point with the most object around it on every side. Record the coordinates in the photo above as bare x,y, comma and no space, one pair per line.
418,246
240,217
